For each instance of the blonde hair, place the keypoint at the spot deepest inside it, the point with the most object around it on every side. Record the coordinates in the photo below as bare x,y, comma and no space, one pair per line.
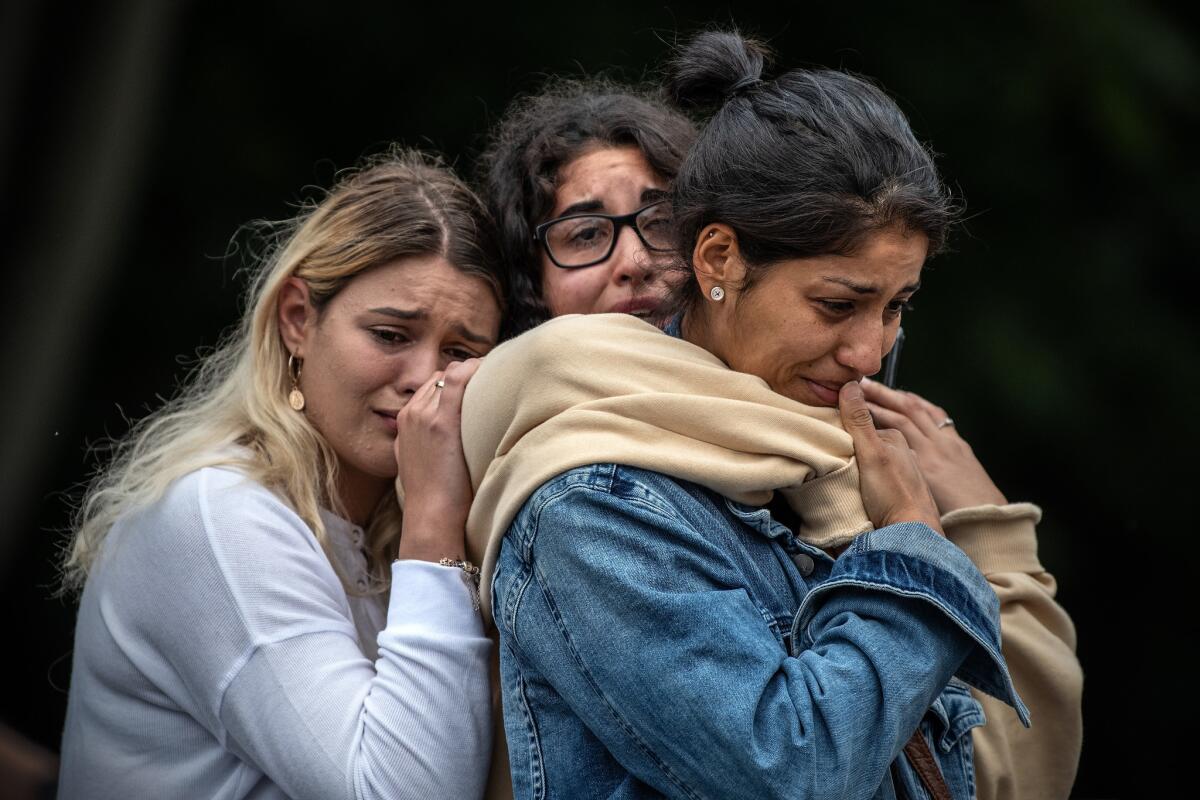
232,410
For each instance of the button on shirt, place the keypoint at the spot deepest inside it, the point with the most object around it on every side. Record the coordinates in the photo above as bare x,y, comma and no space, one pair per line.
369,611
804,562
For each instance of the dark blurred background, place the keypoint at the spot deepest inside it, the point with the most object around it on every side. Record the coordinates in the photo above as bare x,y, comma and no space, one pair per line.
135,138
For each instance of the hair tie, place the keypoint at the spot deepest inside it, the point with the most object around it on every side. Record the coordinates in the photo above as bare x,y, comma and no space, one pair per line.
748,82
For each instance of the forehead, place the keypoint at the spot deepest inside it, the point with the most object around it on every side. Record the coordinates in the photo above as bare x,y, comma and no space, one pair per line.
606,173
427,283
887,262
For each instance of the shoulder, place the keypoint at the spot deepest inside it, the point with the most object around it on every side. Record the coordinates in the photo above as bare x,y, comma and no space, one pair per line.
213,515
219,498
610,525
607,492
220,558
570,339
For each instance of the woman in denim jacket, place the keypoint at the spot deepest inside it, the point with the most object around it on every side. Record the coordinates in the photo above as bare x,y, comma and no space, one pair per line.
660,637
591,145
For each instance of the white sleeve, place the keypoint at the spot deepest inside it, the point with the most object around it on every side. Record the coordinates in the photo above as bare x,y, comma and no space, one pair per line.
314,716
259,633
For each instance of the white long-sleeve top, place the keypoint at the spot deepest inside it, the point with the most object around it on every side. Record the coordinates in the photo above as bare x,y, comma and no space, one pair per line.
218,655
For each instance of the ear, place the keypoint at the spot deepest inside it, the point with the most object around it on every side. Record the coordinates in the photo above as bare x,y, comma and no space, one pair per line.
296,315
716,259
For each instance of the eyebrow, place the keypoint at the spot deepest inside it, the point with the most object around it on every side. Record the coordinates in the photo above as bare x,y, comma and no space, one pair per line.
582,207
859,288
421,314
649,195
400,313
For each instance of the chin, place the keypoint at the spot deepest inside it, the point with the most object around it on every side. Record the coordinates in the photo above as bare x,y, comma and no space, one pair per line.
380,465
383,468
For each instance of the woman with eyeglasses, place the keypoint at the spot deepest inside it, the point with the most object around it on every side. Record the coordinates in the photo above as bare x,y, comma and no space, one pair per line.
257,617
661,632
577,178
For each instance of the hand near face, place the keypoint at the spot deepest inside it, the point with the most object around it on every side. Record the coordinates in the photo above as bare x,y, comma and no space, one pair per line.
955,476
893,489
431,467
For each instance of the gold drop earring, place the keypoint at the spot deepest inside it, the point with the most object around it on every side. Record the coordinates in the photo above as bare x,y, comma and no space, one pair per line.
295,396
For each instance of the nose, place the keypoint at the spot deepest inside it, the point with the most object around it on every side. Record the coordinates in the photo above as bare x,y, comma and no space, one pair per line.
861,348
630,263
423,360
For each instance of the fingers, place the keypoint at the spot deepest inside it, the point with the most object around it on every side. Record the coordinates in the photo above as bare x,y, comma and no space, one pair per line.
426,397
432,397
922,414
893,437
856,418
886,418
935,413
457,376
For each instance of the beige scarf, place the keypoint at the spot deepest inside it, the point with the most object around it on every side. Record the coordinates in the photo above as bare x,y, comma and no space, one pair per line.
611,388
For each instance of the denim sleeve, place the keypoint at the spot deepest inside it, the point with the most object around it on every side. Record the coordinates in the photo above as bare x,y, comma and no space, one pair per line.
644,626
910,560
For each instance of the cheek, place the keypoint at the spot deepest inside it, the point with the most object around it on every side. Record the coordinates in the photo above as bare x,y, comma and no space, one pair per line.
571,291
889,336
792,345
340,376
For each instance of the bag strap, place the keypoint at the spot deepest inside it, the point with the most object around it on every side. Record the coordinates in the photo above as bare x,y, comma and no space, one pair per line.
926,766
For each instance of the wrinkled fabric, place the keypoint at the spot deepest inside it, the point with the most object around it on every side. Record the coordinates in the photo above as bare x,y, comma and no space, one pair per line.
658,639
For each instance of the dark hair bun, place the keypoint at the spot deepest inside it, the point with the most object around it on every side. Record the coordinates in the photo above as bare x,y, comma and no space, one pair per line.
714,65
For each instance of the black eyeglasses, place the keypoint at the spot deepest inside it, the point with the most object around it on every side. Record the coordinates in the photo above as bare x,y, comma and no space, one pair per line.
584,240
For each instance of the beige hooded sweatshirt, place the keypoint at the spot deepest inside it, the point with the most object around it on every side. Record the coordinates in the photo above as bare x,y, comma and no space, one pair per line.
611,388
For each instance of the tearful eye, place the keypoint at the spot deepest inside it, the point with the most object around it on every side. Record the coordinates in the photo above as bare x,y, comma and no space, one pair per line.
837,307
389,335
588,236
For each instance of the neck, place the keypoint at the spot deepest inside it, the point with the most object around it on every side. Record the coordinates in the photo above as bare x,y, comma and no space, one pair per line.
697,328
360,493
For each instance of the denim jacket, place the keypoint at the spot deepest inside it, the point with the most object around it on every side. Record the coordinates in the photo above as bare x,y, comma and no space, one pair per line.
659,639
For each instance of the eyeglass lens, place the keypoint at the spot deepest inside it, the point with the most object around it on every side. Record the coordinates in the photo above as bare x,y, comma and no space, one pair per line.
577,241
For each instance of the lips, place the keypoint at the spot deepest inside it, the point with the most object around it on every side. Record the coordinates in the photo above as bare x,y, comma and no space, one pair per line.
825,392
388,418
638,306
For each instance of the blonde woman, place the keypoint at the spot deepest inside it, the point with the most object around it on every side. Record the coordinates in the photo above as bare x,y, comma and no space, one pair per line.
256,619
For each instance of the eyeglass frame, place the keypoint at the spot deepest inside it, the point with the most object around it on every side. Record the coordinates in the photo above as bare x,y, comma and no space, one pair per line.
619,221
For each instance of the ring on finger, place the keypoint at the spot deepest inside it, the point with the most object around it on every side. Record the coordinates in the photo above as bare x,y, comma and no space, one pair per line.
440,383
947,422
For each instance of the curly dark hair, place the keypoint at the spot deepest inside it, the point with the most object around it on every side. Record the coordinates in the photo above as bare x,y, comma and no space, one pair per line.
538,136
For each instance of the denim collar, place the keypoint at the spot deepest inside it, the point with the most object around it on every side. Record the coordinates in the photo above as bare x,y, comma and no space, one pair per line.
674,326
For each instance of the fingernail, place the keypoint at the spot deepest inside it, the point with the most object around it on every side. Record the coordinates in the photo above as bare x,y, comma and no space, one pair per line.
865,379
852,390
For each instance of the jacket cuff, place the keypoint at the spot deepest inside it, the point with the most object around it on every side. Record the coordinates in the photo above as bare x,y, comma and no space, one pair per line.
911,560
997,538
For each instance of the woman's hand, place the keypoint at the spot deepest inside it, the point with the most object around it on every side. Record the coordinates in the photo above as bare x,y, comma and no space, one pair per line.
955,476
893,489
431,467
